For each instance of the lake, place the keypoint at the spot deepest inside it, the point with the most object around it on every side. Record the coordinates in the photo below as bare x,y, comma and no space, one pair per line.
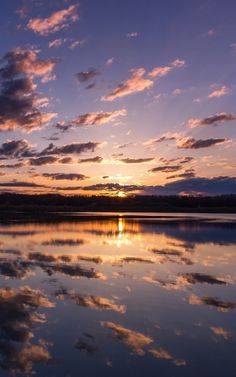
110,295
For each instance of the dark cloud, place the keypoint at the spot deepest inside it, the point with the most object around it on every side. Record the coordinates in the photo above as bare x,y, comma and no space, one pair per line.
113,187
85,76
195,277
129,160
136,260
213,119
19,313
95,160
206,186
87,258
12,166
16,148
13,269
189,173
166,169
64,242
54,264
21,184
85,345
44,160
74,148
65,160
20,105
197,185
162,138
66,176
222,306
192,143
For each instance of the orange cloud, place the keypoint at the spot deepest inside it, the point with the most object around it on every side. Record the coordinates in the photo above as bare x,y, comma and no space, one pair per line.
57,21
136,83
221,92
163,71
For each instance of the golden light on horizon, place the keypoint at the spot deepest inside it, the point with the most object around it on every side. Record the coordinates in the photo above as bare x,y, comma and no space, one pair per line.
121,194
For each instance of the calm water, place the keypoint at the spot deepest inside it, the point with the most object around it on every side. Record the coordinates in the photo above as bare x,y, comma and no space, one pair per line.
111,297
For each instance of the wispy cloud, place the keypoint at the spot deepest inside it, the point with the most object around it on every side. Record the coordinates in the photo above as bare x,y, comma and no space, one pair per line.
65,176
221,92
136,83
215,119
92,119
191,143
164,70
132,34
57,21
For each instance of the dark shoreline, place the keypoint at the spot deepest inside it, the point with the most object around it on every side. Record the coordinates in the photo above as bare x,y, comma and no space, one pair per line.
58,203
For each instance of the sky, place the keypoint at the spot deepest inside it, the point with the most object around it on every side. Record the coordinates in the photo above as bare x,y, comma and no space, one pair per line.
118,97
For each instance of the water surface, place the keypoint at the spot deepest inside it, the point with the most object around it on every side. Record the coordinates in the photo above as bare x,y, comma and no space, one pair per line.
109,296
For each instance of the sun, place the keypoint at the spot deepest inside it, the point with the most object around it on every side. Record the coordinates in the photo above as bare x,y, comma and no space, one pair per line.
121,194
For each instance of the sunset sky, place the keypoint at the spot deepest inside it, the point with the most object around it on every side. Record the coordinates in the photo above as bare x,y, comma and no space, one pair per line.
118,97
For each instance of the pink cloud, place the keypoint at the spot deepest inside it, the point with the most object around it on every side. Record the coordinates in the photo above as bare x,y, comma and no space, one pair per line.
136,83
221,92
57,21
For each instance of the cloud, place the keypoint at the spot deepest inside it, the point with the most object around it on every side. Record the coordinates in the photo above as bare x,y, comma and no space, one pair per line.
213,119
15,149
73,148
110,61
65,176
21,184
64,242
85,76
76,43
221,92
44,160
136,83
112,187
169,136
57,42
159,71
179,160
224,185
57,21
160,353
136,260
220,331
12,166
92,119
133,34
191,143
163,71
92,302
65,160
25,61
221,306
133,339
20,105
129,160
195,277
189,173
166,169
86,345
19,313
91,160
